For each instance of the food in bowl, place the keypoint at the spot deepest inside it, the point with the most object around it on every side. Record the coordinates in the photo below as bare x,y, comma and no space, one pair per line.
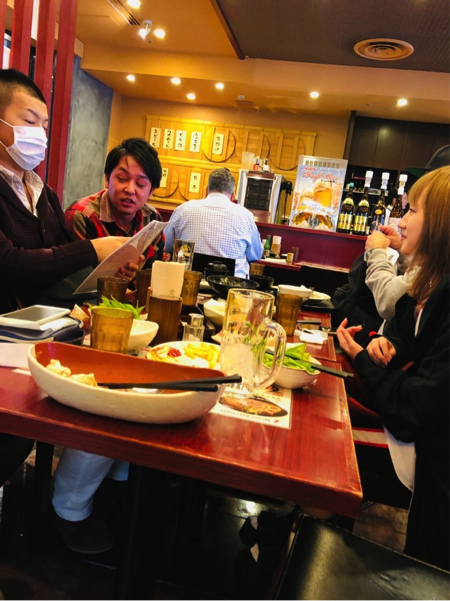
222,284
215,311
296,370
148,407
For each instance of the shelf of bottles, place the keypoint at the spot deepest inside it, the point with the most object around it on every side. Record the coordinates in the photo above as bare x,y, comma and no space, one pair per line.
363,218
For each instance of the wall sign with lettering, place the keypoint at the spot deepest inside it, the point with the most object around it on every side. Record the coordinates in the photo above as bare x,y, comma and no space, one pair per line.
155,137
165,173
194,182
196,140
168,139
218,143
180,140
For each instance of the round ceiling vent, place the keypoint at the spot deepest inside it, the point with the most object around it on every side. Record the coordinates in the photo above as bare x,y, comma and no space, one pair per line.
383,49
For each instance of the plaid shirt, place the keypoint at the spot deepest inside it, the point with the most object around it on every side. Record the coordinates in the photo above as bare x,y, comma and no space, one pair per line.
92,218
218,227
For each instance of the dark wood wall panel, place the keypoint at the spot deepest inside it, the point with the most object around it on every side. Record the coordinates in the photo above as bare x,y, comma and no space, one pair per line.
395,145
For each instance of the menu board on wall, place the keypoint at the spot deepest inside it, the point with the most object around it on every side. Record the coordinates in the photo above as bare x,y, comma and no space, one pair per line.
317,193
180,142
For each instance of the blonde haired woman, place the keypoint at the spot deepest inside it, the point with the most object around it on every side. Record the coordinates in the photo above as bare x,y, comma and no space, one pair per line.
406,372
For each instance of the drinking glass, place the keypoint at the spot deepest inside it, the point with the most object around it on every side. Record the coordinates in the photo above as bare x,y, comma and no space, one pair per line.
110,287
143,281
183,252
247,331
110,329
191,285
288,307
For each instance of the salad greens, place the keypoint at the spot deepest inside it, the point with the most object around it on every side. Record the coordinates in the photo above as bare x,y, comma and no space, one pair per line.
114,304
295,358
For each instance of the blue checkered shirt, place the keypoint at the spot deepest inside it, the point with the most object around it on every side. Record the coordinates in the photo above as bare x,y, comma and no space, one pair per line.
218,227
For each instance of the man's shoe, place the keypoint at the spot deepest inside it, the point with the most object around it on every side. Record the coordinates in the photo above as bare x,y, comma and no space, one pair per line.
86,536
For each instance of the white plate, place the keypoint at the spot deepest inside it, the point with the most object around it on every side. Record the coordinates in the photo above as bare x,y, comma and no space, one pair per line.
319,296
215,311
184,359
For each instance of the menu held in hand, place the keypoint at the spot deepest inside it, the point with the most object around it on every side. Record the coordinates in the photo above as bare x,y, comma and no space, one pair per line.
128,252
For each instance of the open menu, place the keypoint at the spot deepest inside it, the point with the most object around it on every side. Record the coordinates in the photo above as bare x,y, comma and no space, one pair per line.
128,252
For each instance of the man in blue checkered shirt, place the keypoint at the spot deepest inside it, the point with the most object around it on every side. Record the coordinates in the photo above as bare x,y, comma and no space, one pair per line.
217,225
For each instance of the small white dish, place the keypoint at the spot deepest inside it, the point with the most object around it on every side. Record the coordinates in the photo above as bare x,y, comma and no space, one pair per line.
141,335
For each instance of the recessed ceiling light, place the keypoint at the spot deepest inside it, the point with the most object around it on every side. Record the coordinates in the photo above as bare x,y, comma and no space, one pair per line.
191,96
159,33
176,81
314,94
220,86
402,102
134,3
131,77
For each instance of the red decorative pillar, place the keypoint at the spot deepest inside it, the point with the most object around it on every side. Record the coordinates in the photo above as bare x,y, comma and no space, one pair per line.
62,91
21,35
3,7
45,47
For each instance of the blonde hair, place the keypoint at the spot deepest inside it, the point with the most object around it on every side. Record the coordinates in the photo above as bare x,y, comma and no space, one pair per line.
432,254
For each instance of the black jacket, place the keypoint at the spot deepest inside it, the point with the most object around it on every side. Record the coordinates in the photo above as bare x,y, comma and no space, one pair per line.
414,406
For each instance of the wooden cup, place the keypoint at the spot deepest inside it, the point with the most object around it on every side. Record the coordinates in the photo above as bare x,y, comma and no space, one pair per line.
166,313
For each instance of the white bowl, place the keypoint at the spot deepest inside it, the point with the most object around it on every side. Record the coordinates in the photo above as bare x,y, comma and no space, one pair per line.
130,405
215,311
142,333
289,377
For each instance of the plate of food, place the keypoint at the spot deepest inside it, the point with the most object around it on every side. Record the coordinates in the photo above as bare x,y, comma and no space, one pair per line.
193,354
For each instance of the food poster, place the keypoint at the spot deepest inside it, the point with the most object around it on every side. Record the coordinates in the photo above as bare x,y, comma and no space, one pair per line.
271,407
317,193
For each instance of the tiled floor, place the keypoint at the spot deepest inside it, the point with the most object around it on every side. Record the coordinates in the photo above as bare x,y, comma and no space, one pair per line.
54,572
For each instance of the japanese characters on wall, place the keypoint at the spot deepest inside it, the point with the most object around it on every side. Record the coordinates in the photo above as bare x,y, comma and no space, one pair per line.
190,149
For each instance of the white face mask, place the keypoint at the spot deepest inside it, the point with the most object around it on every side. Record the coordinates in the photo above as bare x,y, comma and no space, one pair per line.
29,145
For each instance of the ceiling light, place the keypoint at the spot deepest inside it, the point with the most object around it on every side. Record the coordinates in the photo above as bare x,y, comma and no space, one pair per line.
134,3
314,94
159,33
402,102
191,96
131,77
146,29
220,86
176,81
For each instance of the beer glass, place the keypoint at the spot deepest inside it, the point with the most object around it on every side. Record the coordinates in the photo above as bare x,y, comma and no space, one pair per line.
248,330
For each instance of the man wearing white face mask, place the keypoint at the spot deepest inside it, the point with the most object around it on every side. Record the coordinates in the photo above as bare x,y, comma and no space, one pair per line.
38,250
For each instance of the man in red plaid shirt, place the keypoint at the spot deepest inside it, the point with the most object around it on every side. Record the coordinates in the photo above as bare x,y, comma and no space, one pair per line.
132,172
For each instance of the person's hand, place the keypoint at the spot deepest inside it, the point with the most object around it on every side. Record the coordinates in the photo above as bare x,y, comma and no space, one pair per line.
381,351
105,246
377,240
395,240
128,271
345,337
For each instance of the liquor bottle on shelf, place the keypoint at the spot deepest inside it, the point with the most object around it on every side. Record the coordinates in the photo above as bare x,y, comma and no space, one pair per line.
345,219
265,166
397,209
257,165
267,247
362,212
379,211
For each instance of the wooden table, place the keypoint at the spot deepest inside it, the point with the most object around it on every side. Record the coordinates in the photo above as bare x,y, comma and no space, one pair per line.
313,463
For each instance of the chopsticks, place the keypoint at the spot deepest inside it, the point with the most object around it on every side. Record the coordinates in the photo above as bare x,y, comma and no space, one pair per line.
319,367
200,385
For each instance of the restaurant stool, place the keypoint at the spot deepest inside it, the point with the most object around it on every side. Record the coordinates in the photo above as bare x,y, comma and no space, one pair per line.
326,562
